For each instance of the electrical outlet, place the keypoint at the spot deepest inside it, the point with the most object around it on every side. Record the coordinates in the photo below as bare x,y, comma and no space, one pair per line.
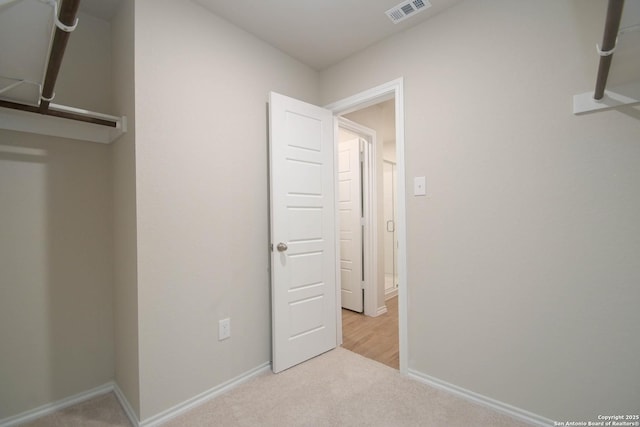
224,329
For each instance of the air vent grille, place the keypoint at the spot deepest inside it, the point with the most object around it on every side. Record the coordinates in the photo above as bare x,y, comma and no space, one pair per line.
406,9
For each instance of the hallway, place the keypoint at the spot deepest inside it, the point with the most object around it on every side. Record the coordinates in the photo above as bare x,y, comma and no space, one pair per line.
373,337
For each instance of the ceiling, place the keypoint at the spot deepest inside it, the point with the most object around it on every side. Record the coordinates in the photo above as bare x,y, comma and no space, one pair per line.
319,33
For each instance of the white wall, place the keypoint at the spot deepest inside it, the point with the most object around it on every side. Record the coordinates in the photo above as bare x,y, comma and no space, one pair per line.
522,260
125,273
84,80
390,151
201,166
55,270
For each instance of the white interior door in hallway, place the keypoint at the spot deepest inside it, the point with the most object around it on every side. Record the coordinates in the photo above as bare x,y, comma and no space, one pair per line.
368,254
303,246
351,223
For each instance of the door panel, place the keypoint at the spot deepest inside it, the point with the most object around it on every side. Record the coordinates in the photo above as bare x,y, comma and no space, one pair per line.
302,199
350,208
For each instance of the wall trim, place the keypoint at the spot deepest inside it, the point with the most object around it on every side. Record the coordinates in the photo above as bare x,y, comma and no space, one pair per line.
52,407
112,386
381,310
126,406
203,397
496,405
187,405
392,293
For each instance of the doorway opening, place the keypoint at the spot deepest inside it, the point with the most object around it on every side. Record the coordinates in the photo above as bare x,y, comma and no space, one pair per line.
375,118
366,205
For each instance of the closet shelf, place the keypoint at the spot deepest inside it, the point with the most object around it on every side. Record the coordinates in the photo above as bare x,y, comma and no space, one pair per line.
23,121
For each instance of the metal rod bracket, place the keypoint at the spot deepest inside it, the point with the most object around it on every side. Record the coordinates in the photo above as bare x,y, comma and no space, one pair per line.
42,97
56,20
606,52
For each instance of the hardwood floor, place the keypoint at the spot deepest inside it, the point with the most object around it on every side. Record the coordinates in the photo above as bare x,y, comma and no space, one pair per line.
373,337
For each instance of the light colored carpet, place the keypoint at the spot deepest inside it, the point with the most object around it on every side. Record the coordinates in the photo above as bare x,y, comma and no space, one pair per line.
101,411
339,388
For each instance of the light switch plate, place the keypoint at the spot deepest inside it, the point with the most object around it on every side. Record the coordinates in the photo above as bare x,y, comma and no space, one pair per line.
224,329
419,186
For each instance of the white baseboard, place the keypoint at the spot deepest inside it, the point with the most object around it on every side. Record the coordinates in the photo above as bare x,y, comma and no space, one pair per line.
496,405
126,406
111,386
390,293
381,310
50,408
189,404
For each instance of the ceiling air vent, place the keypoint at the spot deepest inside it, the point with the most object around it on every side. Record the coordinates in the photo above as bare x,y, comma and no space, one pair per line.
407,9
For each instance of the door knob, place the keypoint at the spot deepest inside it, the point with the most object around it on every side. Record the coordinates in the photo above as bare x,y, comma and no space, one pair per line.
282,247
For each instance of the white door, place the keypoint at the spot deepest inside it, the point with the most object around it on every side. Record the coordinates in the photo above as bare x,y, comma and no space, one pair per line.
303,255
350,209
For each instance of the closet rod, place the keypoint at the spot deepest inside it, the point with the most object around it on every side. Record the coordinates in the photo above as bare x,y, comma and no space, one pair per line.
67,17
56,113
611,28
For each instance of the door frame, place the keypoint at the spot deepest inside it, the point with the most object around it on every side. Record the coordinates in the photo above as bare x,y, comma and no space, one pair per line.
394,292
391,90
370,214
